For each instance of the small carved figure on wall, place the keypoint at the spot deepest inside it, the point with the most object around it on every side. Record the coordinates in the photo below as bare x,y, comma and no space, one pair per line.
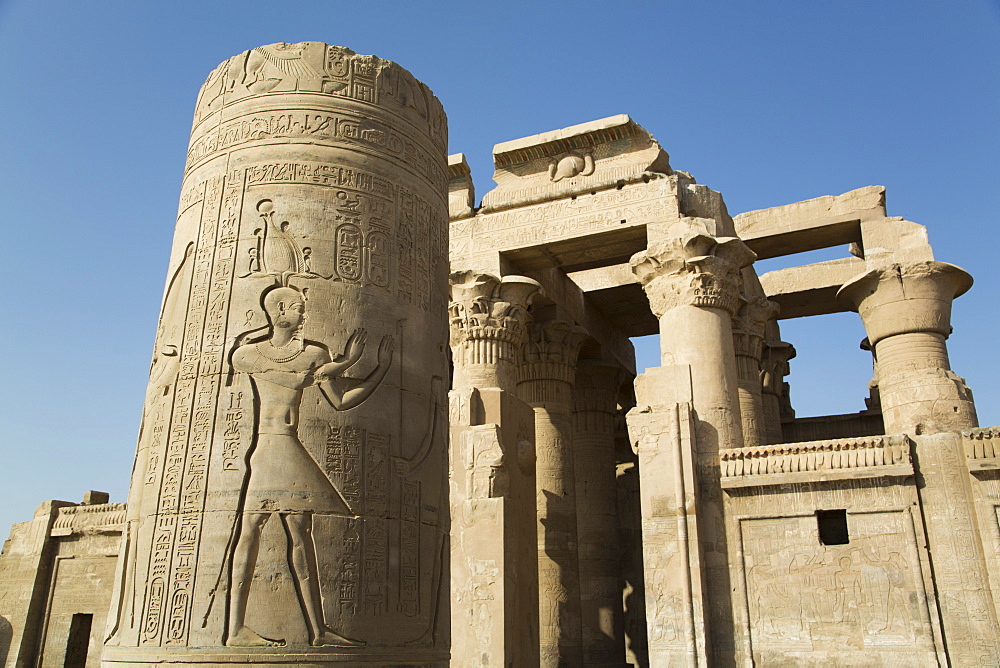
282,478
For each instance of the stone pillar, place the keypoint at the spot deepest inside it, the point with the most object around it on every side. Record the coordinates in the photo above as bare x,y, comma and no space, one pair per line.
748,339
292,504
906,310
595,402
691,283
687,410
494,552
546,384
774,368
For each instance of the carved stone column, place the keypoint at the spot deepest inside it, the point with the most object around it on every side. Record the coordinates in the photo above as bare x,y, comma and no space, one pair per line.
748,339
687,410
691,283
546,384
595,402
494,548
906,311
291,501
774,368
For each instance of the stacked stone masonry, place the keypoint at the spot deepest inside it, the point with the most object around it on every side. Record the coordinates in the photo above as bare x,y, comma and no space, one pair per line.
387,425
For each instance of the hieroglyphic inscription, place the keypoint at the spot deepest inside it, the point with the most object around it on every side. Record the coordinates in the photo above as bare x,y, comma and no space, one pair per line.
377,258
349,244
364,217
320,174
376,475
409,548
350,568
375,560
182,490
319,126
357,462
168,520
557,220
420,245
232,438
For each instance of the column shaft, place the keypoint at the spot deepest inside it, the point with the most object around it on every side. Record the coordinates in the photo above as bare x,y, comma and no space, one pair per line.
595,402
547,375
494,552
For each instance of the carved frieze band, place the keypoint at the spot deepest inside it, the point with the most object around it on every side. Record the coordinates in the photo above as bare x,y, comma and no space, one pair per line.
693,270
748,326
101,518
982,448
868,457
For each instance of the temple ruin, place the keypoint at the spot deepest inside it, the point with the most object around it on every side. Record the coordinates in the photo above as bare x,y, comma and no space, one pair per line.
357,450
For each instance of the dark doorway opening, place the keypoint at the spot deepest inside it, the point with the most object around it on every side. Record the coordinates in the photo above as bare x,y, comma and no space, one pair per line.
79,641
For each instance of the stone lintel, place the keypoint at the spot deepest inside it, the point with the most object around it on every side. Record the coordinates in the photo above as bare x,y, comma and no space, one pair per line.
810,289
615,291
461,191
821,222
592,156
604,278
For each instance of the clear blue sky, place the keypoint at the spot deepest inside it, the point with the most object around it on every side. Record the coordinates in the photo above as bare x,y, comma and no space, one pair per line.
768,102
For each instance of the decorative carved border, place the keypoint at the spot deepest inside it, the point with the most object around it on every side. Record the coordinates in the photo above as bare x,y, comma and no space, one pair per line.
982,448
812,461
99,518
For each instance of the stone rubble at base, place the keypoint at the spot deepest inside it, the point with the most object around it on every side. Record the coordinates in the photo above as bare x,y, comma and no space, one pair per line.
592,516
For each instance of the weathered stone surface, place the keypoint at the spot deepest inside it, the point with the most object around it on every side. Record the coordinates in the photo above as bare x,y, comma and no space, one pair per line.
494,553
290,500
56,577
811,224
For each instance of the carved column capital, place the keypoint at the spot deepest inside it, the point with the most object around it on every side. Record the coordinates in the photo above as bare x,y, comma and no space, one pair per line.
748,326
905,298
906,310
548,360
695,270
774,365
488,318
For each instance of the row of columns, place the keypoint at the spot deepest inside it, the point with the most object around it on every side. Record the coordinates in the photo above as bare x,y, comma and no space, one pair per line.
720,385
533,485
536,564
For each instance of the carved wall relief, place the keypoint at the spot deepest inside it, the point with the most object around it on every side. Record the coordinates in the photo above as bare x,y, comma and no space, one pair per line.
805,598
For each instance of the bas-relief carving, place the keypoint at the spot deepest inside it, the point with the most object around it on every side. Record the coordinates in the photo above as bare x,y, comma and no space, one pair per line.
805,597
373,221
570,165
277,255
319,68
318,126
281,477
565,218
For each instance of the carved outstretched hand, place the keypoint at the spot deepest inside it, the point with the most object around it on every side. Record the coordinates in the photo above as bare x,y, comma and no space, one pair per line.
355,346
385,350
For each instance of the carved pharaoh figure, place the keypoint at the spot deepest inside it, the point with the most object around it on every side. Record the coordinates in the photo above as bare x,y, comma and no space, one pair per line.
282,478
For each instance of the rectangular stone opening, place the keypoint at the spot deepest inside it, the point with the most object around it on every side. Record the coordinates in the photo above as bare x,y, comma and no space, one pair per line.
832,525
78,641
